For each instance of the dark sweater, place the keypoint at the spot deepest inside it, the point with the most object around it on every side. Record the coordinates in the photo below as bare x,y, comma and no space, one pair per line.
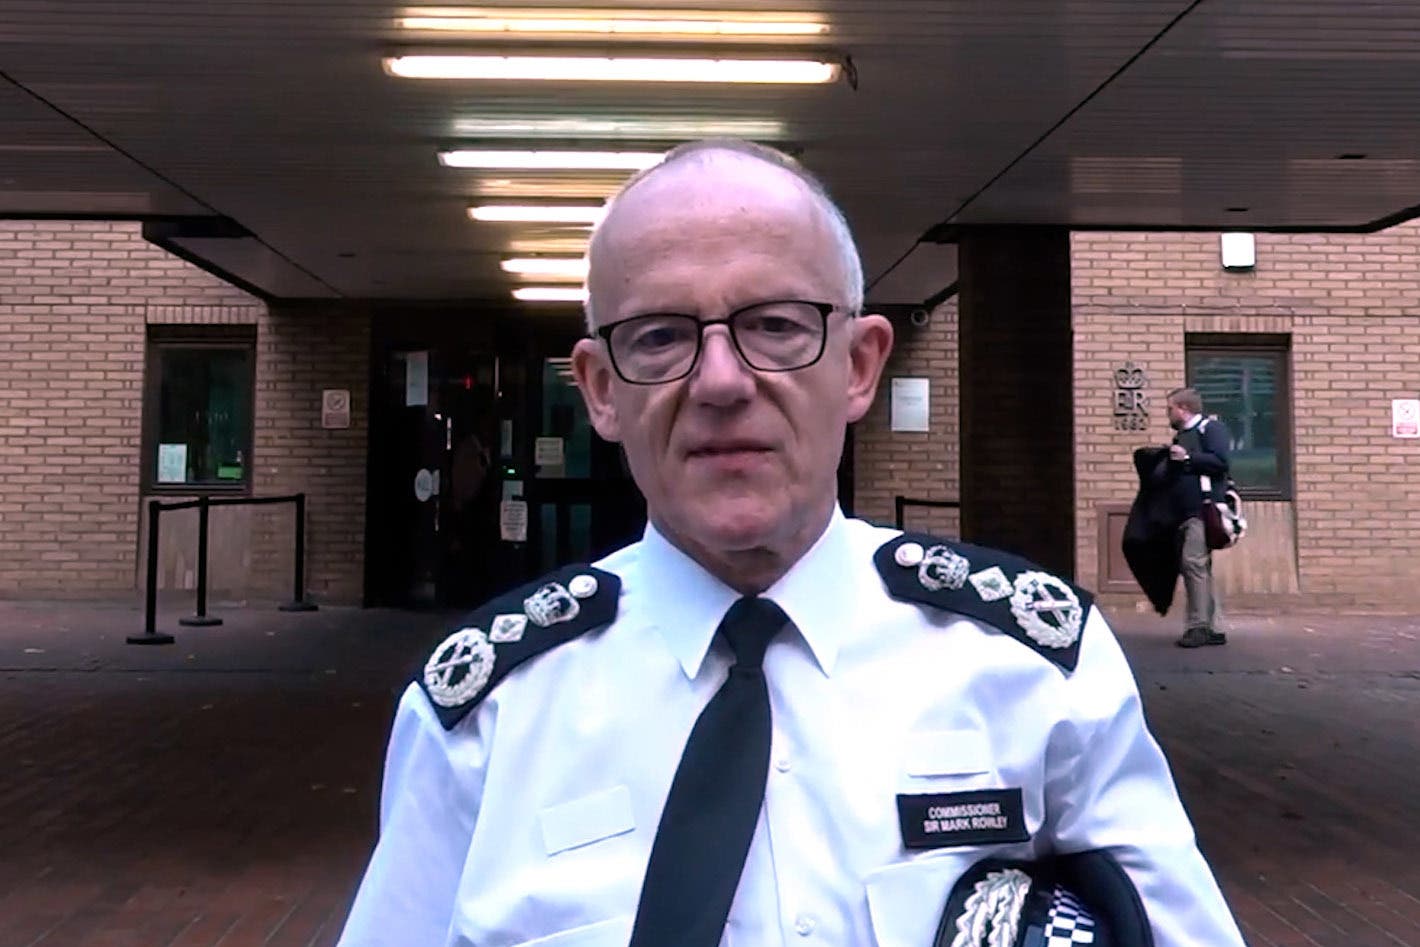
1207,446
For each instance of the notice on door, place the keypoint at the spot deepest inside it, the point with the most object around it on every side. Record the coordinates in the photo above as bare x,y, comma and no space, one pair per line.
513,521
416,378
548,452
172,463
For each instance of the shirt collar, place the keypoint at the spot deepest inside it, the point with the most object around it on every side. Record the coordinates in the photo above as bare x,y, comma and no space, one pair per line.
1192,422
687,602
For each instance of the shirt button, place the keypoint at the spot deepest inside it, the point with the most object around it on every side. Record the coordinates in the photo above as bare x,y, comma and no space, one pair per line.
804,924
783,765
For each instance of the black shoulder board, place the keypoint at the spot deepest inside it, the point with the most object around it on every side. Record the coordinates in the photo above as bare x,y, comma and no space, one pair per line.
511,629
1038,609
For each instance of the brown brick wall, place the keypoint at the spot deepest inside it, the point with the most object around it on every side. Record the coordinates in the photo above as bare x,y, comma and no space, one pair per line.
923,466
75,296
1352,306
300,353
74,301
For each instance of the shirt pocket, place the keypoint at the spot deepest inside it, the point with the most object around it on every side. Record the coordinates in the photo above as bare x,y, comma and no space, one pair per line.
589,819
906,901
959,757
613,933
961,767
580,863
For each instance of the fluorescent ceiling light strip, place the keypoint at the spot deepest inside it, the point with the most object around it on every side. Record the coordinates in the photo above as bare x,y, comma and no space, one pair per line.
510,22
551,294
524,188
546,266
652,128
551,160
567,245
595,69
538,213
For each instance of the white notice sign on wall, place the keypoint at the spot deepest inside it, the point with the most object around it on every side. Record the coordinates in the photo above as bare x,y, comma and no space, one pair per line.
911,408
1405,417
335,408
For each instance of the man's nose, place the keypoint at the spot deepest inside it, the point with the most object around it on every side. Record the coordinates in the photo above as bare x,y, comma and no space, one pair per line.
722,376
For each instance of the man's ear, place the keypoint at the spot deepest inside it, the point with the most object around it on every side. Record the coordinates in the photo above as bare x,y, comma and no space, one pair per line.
868,353
595,379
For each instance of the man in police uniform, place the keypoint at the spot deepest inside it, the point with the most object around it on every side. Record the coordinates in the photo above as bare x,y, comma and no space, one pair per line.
764,723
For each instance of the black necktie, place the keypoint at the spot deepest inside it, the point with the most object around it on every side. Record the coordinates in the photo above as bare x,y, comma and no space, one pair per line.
713,806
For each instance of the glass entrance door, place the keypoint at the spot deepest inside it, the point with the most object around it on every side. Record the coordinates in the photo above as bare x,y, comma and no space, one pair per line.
484,472
470,569
434,479
581,497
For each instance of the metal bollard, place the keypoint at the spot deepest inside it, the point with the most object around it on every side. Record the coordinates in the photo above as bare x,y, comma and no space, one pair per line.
298,602
201,619
150,613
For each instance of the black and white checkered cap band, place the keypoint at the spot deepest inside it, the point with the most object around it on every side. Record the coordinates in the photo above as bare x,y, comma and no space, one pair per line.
1068,924
1082,899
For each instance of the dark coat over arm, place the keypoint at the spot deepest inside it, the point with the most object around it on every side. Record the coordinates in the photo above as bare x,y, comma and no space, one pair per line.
1151,545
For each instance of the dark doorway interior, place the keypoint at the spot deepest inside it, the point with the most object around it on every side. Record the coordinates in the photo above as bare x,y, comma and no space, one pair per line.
470,412
483,471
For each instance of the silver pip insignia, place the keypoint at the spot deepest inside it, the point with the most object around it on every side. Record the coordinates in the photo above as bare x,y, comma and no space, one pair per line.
507,628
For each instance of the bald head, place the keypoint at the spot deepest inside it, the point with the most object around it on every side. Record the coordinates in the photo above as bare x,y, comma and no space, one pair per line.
719,179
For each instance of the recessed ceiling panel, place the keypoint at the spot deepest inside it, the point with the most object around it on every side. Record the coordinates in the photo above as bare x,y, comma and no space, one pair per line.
279,115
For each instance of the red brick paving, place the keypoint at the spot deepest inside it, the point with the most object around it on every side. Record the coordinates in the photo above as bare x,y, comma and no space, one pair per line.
221,792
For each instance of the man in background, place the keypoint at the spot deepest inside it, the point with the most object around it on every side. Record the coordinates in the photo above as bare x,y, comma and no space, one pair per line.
1196,471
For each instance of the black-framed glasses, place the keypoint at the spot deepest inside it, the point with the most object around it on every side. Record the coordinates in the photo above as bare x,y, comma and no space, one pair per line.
781,335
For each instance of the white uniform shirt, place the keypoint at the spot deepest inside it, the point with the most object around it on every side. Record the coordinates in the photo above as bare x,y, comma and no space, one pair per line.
531,821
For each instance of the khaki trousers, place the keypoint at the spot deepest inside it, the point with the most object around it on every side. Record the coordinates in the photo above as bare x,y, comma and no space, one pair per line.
1196,565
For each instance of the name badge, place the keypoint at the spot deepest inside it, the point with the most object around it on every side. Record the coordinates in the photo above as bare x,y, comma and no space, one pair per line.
977,817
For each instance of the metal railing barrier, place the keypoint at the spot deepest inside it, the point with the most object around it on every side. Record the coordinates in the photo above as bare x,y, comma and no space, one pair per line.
901,503
203,505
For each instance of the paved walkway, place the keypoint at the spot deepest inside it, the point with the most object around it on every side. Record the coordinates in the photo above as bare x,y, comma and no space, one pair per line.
221,792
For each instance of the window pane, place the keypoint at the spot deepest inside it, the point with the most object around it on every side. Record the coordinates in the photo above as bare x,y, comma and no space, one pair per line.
564,415
1242,389
204,415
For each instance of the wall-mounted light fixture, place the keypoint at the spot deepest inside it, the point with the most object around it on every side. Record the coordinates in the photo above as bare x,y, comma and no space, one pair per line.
1238,251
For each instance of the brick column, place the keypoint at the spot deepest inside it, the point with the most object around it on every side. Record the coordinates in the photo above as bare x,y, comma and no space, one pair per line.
1017,449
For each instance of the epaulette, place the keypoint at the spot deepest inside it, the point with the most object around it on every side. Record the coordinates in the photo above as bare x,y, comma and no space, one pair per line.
1005,591
511,629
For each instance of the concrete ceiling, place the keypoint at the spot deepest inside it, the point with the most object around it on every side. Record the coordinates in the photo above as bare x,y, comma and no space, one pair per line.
277,116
